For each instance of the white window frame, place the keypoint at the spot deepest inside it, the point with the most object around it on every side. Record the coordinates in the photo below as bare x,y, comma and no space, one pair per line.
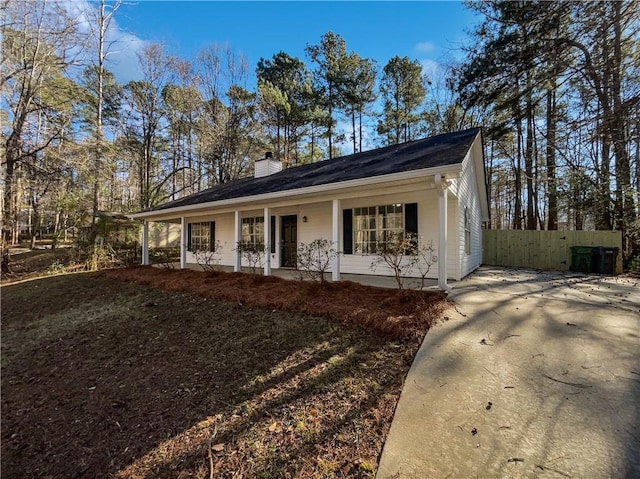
253,231
467,231
200,237
374,226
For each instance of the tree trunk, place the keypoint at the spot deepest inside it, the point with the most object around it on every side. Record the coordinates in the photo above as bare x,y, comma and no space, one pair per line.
528,155
625,212
517,209
552,190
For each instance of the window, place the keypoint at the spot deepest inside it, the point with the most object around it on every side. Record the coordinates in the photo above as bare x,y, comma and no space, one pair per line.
253,231
374,226
467,231
201,236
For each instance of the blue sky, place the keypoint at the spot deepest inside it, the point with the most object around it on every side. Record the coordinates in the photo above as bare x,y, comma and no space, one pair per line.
430,32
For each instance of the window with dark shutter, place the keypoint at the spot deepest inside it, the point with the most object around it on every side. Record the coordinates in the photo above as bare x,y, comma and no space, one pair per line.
411,222
200,236
347,231
273,235
411,218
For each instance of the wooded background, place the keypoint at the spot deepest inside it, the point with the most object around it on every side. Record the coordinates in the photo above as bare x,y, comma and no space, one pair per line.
555,85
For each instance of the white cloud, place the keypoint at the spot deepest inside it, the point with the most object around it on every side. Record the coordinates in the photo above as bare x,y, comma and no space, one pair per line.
425,47
122,46
431,68
123,60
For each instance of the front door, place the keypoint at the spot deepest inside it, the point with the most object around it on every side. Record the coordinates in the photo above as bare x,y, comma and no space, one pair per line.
289,236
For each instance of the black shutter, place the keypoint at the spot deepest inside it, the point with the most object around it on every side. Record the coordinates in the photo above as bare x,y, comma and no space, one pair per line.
273,234
411,221
347,231
212,236
188,236
411,218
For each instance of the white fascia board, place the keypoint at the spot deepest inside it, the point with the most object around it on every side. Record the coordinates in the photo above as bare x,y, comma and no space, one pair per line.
309,190
481,181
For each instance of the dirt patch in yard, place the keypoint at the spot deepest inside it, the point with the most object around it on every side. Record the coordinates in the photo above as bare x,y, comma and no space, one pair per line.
105,378
26,264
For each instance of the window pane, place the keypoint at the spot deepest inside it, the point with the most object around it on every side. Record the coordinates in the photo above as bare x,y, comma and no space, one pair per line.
200,237
375,226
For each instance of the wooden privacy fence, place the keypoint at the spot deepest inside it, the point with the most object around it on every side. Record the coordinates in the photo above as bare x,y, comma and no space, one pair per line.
550,250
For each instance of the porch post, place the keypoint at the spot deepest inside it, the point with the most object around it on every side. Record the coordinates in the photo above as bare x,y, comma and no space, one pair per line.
442,185
183,243
237,237
335,239
267,241
145,242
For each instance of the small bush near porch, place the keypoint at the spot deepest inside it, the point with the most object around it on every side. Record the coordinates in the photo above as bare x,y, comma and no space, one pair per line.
103,378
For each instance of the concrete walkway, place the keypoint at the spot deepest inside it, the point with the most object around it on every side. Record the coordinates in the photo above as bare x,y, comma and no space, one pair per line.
533,374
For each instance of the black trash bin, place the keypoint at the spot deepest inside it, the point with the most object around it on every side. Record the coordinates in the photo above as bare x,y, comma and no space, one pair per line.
582,259
604,259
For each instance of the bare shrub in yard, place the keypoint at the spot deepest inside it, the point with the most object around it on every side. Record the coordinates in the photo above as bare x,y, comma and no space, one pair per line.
403,254
423,253
396,255
253,254
210,260
100,256
315,258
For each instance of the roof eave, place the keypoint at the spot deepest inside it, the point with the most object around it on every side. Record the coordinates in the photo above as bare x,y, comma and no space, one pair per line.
309,190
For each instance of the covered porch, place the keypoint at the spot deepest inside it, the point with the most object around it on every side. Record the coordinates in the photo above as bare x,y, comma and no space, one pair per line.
285,223
365,279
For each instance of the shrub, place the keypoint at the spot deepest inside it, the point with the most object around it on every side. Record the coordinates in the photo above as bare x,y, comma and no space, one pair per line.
396,255
253,253
634,266
423,253
316,258
401,254
210,260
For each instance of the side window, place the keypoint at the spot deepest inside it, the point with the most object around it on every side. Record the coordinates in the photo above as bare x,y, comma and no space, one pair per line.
253,230
201,236
467,231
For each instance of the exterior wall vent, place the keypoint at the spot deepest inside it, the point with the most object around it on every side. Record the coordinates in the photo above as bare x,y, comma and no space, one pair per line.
267,166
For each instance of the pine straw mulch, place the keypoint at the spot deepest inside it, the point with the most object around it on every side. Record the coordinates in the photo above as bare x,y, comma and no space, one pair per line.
106,378
387,312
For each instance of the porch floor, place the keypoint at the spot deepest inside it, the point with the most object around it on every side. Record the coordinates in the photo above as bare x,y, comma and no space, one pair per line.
365,279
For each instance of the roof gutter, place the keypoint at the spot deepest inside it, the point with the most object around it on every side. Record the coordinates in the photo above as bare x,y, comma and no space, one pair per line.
308,190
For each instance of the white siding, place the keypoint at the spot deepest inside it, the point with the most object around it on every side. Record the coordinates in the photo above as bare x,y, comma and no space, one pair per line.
164,235
224,236
467,192
318,225
453,239
267,167
427,200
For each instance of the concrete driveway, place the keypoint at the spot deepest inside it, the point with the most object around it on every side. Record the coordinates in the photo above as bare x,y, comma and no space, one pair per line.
533,374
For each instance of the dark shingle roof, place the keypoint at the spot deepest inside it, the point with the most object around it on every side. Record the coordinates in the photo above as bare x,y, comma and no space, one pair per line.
440,150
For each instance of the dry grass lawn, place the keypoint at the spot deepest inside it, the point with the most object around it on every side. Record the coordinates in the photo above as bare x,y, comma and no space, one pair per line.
106,378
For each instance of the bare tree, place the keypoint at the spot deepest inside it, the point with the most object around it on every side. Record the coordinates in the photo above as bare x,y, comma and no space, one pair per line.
38,41
100,20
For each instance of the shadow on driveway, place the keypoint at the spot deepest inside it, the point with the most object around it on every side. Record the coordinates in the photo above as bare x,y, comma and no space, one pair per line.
535,374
